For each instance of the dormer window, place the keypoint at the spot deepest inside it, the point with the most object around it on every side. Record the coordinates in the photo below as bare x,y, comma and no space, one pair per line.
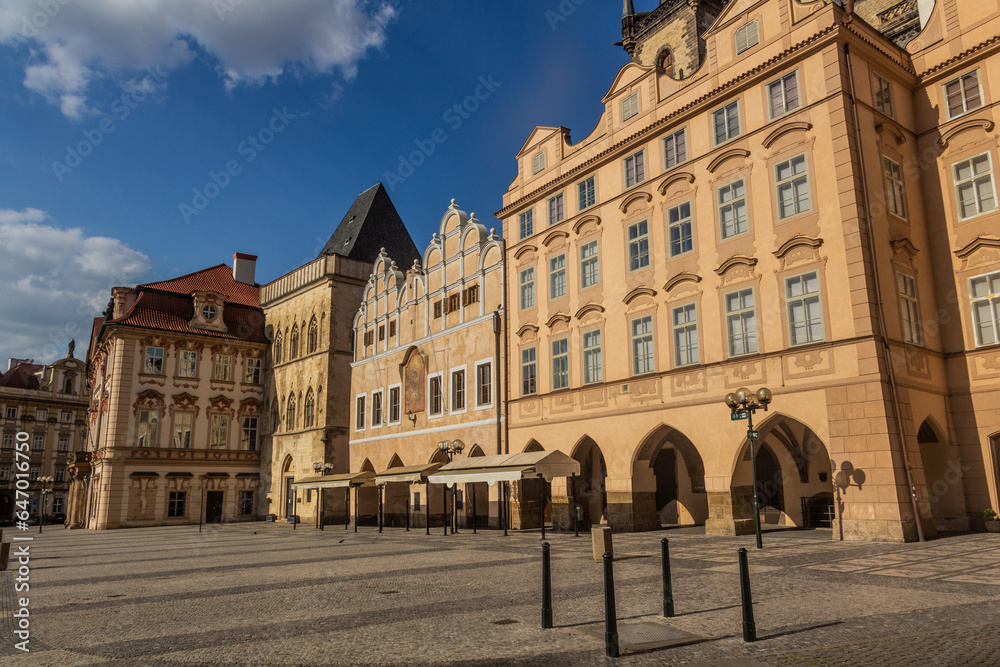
208,308
538,162
747,36
630,106
209,313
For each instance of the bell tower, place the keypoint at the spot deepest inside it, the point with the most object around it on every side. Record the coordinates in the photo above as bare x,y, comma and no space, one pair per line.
670,36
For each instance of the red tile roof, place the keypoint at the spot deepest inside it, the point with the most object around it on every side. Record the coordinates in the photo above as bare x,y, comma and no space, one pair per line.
217,279
154,309
21,376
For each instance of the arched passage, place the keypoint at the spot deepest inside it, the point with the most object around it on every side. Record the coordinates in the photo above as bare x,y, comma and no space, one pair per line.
668,481
435,492
591,491
793,477
942,478
481,492
394,498
287,493
367,499
530,497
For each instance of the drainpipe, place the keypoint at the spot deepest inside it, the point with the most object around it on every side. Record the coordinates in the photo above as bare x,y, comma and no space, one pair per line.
883,335
506,360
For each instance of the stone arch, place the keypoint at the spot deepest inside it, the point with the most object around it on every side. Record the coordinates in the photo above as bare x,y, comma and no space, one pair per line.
943,477
591,490
668,480
533,446
367,499
287,494
293,342
395,497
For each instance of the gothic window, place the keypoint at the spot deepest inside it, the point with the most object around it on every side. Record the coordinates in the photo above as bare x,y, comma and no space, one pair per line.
293,343
313,337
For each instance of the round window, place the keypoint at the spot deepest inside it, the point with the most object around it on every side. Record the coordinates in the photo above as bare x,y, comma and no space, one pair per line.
208,312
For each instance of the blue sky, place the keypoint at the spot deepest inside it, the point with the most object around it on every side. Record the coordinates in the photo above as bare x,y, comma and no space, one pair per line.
114,117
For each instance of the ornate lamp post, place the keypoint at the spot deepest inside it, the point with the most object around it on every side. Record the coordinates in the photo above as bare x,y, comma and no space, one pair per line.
46,483
742,405
449,449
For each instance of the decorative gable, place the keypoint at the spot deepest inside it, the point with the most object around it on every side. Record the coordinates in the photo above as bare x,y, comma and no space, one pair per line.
208,311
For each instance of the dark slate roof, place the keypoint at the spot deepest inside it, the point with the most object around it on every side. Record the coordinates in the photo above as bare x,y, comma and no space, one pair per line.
371,224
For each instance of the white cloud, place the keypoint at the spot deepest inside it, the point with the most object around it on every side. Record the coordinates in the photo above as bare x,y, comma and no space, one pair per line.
56,281
73,42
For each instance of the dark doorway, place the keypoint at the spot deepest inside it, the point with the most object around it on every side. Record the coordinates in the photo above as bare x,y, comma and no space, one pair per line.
213,506
665,470
289,497
770,488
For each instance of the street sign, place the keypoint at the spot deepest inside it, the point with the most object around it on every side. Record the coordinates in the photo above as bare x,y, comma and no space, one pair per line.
739,414
753,435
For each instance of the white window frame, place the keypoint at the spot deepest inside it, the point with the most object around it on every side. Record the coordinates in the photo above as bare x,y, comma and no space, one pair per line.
246,444
679,225
63,444
587,194
745,30
41,415
10,412
151,434
480,364
187,367
724,109
634,166
739,315
731,204
883,95
538,162
377,407
557,276
805,298
152,355
38,442
792,180
682,134
556,207
218,423
360,412
532,363
67,417
590,265
637,241
780,81
527,287
526,224
398,388
960,79
992,301
439,376
177,424
909,308
560,376
972,180
895,187
593,356
452,402
8,440
688,328
253,370
648,357
223,369
630,106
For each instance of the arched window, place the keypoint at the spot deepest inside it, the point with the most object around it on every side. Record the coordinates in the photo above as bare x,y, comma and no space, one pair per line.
293,343
313,337
276,348
310,408
275,418
663,59
290,414
69,383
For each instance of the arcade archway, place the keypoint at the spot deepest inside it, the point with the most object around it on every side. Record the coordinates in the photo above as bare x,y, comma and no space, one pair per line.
591,492
668,481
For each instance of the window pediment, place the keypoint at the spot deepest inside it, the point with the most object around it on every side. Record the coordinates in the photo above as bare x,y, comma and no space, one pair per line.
736,267
787,128
734,154
985,125
554,236
984,249
524,250
672,179
633,198
638,292
892,129
585,220
589,308
681,278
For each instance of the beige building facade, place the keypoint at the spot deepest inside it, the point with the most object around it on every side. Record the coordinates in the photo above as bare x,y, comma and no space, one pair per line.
428,351
777,194
309,316
176,377
43,409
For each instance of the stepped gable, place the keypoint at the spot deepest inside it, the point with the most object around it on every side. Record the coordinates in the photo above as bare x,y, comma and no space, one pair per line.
371,224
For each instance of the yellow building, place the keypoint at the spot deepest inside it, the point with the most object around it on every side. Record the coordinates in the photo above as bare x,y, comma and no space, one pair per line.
776,194
428,353
309,315
175,369
47,404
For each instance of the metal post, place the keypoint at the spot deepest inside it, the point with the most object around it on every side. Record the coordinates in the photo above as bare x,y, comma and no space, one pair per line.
749,627
201,512
500,510
668,589
407,508
610,618
546,587
473,508
753,465
427,507
295,505
357,492
572,506
541,504
444,509
380,508
506,509
347,507
320,512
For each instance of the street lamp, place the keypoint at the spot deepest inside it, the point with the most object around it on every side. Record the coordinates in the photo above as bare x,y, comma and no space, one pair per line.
46,483
742,405
449,449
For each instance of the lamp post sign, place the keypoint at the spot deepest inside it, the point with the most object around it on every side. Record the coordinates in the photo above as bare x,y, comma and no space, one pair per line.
742,404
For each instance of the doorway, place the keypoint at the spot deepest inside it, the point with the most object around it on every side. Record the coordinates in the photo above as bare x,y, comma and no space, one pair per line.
289,497
665,471
213,506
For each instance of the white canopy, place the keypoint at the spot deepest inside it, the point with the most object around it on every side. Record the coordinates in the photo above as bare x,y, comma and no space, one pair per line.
506,468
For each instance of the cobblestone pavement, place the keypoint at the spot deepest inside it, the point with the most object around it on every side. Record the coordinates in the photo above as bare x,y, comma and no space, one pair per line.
263,594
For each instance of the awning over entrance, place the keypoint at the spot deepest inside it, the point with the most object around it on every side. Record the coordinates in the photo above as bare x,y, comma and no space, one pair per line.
335,481
416,474
507,468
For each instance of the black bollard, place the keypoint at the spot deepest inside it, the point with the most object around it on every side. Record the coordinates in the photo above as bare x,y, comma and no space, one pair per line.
347,507
610,619
407,509
668,590
749,627
380,508
546,587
